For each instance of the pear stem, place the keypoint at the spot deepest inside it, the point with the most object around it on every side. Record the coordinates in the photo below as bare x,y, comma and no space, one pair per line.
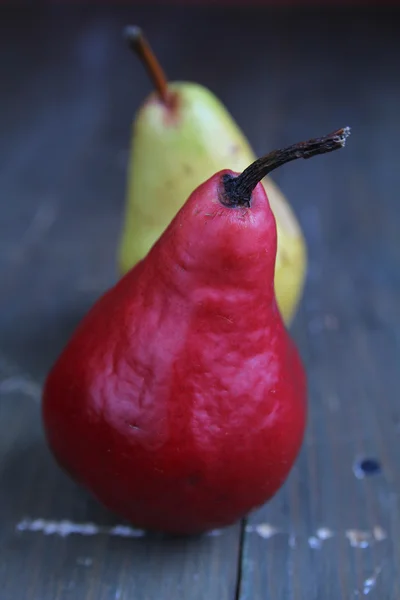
238,190
138,43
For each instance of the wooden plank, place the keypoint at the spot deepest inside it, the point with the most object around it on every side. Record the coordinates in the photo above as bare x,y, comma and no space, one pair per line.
329,534
63,170
69,94
35,565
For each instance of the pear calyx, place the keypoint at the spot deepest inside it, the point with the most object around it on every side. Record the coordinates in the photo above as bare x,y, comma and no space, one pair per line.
138,43
237,190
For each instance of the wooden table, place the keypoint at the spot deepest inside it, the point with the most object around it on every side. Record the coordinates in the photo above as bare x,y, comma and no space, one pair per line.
69,91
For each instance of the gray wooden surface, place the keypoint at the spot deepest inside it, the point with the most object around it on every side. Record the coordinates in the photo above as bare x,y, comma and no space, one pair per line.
69,90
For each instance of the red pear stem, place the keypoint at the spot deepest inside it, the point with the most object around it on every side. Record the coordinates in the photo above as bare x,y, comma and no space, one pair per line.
138,43
238,190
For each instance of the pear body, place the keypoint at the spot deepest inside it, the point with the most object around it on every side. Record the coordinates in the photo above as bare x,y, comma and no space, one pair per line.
180,400
173,151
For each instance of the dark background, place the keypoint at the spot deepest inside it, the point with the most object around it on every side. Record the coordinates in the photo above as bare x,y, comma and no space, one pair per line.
69,90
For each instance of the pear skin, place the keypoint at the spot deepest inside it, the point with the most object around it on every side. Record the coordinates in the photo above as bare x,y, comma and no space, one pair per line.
173,153
177,147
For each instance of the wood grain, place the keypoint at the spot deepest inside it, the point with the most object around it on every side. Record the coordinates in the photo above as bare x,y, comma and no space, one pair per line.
69,92
346,329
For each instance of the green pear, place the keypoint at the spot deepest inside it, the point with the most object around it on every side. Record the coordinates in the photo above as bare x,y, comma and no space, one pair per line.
181,135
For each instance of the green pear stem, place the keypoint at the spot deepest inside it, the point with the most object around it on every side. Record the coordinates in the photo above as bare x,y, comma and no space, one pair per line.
138,43
238,190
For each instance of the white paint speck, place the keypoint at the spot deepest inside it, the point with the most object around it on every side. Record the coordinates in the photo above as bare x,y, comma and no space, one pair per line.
314,542
65,528
370,583
358,539
379,533
264,530
126,531
62,528
323,533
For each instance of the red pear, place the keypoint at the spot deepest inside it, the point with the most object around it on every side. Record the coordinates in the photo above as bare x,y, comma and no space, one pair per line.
180,400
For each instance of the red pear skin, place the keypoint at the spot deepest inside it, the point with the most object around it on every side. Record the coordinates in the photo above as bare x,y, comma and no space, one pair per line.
180,400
